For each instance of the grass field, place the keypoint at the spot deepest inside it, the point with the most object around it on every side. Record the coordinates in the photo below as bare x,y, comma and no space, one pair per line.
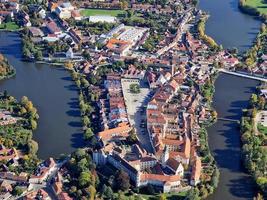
11,26
258,4
93,12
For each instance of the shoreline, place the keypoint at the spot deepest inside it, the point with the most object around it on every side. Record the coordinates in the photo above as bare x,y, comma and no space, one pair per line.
204,20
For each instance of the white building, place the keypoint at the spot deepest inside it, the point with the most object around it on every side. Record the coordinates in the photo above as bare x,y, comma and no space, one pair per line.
102,18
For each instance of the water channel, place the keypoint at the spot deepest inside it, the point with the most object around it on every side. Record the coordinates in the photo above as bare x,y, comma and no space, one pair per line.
231,28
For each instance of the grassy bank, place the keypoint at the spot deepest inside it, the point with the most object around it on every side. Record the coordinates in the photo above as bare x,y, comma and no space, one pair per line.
9,26
254,7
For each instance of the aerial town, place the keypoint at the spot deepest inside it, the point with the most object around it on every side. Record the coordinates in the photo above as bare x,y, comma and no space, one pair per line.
145,73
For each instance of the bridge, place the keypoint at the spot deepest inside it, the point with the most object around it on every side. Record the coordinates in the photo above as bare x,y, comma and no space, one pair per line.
228,120
244,75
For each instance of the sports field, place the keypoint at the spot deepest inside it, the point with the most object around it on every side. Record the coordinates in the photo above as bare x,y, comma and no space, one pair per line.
94,12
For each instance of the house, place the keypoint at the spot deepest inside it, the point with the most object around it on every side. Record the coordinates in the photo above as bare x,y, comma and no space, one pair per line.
52,6
36,32
43,172
64,10
5,186
39,194
4,13
165,182
5,195
64,196
63,13
69,53
8,154
22,177
121,132
75,14
119,47
196,171
53,28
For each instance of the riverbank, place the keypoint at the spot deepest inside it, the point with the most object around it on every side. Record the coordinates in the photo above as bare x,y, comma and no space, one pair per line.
254,139
254,7
18,121
6,69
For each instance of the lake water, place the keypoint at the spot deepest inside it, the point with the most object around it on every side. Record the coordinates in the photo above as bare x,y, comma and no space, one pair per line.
228,26
53,93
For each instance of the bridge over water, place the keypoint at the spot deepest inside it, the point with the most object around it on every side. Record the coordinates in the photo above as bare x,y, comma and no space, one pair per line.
228,119
244,75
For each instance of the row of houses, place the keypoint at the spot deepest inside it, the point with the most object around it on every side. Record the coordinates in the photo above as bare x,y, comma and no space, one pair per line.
169,126
8,9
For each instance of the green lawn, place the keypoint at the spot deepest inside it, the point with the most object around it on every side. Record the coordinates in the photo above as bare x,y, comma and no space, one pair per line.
260,5
93,12
262,129
11,26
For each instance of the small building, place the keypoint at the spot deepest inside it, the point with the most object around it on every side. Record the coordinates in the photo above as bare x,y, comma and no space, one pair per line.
69,53
42,13
75,14
36,32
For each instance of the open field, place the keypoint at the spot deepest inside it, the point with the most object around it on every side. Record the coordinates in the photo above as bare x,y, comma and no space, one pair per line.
259,5
11,26
94,12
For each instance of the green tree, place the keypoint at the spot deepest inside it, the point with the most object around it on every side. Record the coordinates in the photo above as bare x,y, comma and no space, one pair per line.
85,179
88,134
86,121
107,192
17,191
123,181
193,194
33,124
162,197
254,99
82,165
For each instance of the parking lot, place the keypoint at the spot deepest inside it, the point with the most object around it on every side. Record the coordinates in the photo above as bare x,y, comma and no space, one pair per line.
136,110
